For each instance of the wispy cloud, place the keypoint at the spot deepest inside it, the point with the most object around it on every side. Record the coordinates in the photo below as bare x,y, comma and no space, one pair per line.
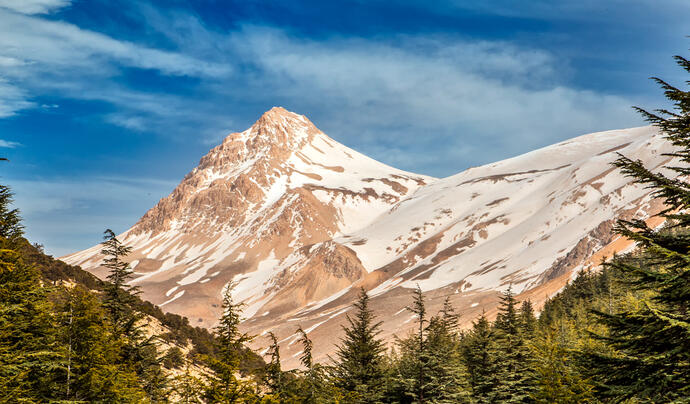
50,45
9,144
480,99
12,99
582,11
39,56
452,98
34,6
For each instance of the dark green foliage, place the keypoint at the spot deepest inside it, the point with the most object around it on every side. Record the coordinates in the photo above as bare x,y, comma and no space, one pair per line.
118,295
558,378
359,357
174,358
481,355
30,359
515,362
651,337
224,386
528,322
180,331
429,366
273,376
139,351
55,271
447,377
313,385
11,228
418,343
93,370
29,355
498,357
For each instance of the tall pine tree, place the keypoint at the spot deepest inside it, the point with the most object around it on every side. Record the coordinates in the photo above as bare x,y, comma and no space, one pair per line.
359,366
119,295
273,375
652,338
515,367
94,370
481,354
30,359
313,385
139,351
429,366
225,385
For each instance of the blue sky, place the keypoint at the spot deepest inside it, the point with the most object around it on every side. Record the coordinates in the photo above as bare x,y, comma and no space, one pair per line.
105,105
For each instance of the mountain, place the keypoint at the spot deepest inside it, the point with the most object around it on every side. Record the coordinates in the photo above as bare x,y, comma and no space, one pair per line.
298,222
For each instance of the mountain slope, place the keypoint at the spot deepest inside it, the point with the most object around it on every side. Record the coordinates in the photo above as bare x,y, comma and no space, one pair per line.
298,222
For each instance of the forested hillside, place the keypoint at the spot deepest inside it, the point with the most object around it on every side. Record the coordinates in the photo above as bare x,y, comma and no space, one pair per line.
178,329
67,336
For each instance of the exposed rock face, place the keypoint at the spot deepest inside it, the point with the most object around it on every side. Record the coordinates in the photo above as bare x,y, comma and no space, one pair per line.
299,222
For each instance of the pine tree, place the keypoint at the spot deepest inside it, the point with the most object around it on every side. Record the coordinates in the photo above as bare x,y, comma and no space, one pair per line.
652,337
515,366
528,322
119,295
415,357
94,371
359,369
11,228
557,376
480,354
314,387
445,346
224,385
139,351
187,388
174,358
273,374
451,320
429,367
30,359
421,358
447,377
507,319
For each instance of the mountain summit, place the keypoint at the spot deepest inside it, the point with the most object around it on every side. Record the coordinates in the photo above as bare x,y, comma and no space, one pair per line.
298,222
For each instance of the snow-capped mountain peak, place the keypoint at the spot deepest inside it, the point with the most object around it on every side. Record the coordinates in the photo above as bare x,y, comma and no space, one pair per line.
299,221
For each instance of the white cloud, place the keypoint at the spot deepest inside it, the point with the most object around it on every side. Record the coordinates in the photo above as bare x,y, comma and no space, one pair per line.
135,123
455,99
12,99
51,45
39,56
34,6
596,11
9,144
6,61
